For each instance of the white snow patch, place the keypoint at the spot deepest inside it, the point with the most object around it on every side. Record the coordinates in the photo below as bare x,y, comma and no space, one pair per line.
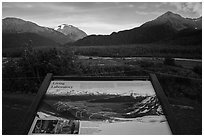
56,28
135,111
62,26
159,109
144,111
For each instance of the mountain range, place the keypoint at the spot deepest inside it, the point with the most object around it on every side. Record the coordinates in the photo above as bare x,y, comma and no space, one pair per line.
17,33
135,107
92,92
167,28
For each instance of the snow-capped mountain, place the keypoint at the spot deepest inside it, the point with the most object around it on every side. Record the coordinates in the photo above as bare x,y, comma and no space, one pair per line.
148,106
145,106
76,92
19,26
73,32
65,92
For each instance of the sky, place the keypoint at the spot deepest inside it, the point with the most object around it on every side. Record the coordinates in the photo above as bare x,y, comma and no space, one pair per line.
97,17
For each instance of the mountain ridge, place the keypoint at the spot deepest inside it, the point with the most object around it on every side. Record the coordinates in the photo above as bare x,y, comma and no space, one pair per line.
163,28
16,25
177,21
14,32
167,28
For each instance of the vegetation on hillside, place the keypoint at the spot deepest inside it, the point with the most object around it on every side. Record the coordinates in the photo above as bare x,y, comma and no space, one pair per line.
26,72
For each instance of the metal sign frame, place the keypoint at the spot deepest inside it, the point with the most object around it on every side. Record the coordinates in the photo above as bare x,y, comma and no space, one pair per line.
173,124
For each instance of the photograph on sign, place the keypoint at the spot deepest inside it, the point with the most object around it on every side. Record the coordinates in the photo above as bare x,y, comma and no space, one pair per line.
100,107
56,127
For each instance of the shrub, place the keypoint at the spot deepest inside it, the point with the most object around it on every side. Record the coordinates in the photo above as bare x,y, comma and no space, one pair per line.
169,61
198,70
27,72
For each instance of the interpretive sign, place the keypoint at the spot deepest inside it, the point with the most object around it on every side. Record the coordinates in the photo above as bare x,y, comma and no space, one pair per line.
124,107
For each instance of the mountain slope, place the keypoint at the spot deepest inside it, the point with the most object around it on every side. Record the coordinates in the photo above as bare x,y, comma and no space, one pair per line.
18,26
148,106
163,28
175,21
72,32
15,40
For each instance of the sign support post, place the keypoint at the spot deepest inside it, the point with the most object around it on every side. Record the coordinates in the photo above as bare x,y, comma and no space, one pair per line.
33,108
165,105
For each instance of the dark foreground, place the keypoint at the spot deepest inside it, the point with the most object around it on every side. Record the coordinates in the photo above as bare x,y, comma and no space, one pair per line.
180,80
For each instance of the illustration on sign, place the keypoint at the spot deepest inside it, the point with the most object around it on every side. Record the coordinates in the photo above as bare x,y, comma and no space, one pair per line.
100,107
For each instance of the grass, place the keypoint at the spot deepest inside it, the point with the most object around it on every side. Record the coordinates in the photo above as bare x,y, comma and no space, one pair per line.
144,50
188,64
190,120
134,50
140,66
14,108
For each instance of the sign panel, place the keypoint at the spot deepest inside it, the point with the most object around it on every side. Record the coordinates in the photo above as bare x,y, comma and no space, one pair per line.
100,107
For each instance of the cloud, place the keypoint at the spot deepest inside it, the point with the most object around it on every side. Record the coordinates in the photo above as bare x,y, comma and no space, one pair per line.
148,13
104,28
195,7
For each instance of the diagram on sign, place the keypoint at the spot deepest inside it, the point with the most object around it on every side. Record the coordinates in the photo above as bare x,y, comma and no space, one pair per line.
100,107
